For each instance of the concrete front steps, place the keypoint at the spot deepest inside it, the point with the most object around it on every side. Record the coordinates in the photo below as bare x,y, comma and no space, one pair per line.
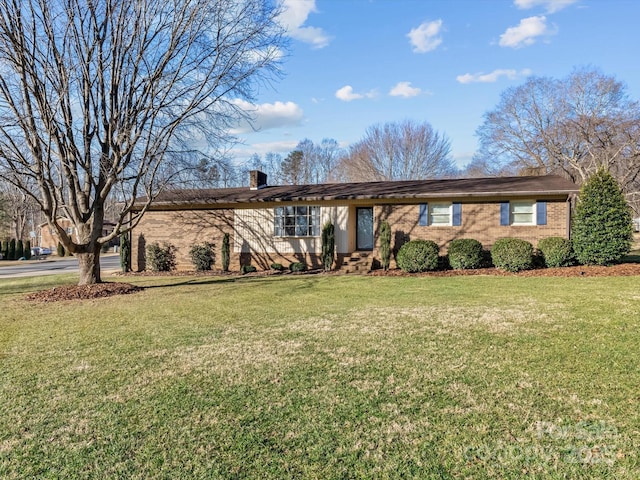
357,262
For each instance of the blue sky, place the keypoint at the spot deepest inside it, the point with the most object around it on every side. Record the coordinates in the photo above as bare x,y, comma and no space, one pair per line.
355,63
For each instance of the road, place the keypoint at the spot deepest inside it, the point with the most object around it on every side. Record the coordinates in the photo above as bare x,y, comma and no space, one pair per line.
108,263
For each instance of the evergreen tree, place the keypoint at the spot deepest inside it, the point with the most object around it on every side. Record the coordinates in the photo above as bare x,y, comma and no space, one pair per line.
5,249
125,253
328,245
602,225
60,249
19,250
27,250
385,244
226,250
12,249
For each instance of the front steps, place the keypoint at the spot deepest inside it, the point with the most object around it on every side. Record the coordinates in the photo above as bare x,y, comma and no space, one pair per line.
357,262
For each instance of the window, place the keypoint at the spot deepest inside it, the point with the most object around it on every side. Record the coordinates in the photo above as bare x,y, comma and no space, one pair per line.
69,230
440,214
297,221
523,212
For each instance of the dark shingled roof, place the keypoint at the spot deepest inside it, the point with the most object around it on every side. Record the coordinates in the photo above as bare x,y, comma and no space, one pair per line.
458,188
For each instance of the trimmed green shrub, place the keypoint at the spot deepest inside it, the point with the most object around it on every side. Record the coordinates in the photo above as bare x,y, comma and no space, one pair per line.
556,252
27,250
512,254
226,252
202,256
298,267
465,253
602,228
244,269
19,250
5,249
277,266
161,258
328,246
125,253
12,249
418,256
60,250
385,244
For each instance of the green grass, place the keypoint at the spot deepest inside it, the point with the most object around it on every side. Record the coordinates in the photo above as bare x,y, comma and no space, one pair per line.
324,377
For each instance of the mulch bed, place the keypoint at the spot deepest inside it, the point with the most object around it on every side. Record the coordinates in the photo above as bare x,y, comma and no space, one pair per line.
102,290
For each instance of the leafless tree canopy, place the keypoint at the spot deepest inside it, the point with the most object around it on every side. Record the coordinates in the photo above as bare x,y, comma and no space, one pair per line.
100,98
398,151
573,126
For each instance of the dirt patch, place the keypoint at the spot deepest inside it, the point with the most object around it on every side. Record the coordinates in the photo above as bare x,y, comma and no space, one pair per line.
83,292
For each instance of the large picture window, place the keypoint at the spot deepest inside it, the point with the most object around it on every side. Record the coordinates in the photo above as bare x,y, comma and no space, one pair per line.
297,221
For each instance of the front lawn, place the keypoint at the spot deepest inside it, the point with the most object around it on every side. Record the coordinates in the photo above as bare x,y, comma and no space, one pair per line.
324,377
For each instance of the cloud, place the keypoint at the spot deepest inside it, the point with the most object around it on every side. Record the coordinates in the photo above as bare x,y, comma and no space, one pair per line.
267,116
294,15
404,89
426,37
493,76
346,94
526,32
550,5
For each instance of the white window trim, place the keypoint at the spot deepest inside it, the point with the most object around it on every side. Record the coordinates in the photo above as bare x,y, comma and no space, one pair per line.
284,235
534,213
449,205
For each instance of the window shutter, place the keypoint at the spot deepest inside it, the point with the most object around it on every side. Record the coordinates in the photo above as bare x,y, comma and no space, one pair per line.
504,213
457,214
423,219
541,213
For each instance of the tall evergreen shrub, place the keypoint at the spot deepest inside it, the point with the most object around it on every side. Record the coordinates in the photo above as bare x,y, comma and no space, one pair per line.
19,249
27,250
602,224
12,249
385,244
226,252
328,245
125,253
60,250
5,249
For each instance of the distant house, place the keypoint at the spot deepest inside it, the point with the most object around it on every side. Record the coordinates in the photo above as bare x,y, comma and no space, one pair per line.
49,237
283,224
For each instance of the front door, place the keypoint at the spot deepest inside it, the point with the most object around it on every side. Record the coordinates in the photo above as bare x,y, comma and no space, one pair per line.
364,230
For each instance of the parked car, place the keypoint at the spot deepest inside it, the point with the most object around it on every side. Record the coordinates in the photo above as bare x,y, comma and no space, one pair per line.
40,251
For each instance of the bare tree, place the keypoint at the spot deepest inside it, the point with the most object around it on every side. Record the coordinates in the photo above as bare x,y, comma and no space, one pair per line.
99,99
572,126
398,151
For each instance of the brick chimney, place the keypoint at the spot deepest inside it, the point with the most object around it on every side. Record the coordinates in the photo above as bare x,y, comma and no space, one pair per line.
257,179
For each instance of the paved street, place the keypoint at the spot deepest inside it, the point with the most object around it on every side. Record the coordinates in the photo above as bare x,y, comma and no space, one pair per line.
108,262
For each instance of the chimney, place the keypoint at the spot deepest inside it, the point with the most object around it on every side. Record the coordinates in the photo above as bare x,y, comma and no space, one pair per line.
257,180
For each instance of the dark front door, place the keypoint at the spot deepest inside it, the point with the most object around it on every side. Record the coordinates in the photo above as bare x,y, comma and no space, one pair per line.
364,231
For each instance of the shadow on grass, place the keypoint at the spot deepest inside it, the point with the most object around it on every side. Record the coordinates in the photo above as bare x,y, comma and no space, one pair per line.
311,279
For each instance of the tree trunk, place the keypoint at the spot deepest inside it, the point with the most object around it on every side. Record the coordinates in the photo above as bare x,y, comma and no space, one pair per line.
89,266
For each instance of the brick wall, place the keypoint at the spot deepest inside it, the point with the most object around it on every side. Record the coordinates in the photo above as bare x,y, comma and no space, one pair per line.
480,221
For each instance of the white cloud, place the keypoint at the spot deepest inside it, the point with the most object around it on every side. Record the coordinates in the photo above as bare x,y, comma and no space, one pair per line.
493,76
426,37
526,32
404,89
346,94
550,5
283,146
293,17
268,115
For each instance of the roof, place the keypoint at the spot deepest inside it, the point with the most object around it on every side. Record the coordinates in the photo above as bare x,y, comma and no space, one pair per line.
410,189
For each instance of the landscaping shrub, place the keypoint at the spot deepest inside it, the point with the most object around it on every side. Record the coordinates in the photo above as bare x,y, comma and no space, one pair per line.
161,258
298,267
27,250
5,249
418,256
465,253
277,266
385,244
556,252
328,245
12,249
226,252
125,253
244,269
202,256
19,250
60,250
512,254
602,227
